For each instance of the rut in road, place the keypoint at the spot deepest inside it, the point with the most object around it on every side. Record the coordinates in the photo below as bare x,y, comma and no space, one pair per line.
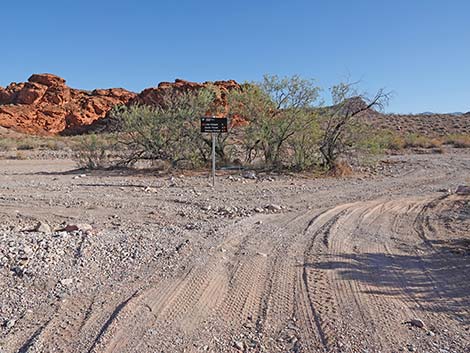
341,280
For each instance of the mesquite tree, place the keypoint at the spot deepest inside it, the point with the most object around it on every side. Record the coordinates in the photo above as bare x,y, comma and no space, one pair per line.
274,110
338,119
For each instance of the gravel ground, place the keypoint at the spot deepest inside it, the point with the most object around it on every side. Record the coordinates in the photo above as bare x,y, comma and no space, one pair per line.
82,253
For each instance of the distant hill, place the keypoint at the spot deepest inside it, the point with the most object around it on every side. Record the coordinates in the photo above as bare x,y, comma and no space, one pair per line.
429,124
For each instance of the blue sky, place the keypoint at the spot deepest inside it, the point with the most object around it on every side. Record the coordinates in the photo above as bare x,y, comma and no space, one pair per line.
420,49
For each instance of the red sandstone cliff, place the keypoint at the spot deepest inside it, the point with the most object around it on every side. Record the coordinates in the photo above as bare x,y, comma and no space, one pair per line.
45,105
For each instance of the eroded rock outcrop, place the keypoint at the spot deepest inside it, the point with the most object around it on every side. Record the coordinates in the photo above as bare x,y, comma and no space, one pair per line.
155,96
46,105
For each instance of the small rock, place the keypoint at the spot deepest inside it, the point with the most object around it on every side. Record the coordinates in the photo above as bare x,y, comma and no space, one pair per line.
273,207
43,227
262,254
239,345
19,271
249,174
10,323
430,333
66,282
259,210
463,190
83,227
411,348
417,323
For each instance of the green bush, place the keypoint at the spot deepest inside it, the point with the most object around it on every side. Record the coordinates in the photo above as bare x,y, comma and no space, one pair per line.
170,131
280,123
92,152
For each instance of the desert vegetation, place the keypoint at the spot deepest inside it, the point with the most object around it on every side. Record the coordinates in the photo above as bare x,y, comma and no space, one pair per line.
280,123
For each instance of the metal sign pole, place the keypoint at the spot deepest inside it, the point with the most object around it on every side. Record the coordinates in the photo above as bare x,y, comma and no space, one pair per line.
213,159
213,125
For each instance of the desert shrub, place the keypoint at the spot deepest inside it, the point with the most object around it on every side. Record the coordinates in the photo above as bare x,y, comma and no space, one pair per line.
53,144
458,140
396,142
340,122
304,146
169,131
19,155
92,151
341,168
377,141
277,111
27,144
414,140
7,144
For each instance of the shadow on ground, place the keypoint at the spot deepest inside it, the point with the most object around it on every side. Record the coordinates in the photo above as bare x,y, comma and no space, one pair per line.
439,281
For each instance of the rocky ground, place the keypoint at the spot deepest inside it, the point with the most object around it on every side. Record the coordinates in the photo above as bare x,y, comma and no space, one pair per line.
120,262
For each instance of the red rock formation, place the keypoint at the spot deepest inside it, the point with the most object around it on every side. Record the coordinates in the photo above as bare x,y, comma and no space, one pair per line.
46,105
155,95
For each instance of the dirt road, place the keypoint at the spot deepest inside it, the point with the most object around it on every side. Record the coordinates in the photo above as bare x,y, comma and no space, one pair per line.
355,265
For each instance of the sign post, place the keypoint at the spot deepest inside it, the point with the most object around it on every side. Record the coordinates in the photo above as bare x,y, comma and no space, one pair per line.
213,126
213,159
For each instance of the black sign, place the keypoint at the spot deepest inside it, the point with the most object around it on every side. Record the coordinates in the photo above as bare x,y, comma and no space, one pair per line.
212,124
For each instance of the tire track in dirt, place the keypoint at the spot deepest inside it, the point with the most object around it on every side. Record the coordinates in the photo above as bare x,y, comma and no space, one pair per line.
184,302
335,282
353,268
314,334
59,333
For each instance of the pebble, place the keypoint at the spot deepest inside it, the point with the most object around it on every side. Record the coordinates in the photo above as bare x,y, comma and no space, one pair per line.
417,322
66,281
43,227
463,190
249,174
239,345
10,323
83,227
273,207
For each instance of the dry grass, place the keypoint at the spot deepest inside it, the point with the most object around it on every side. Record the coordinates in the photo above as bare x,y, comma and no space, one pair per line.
414,140
341,169
391,140
22,142
458,140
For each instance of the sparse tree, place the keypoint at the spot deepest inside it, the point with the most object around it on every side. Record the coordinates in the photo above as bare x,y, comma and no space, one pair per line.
169,131
275,110
340,119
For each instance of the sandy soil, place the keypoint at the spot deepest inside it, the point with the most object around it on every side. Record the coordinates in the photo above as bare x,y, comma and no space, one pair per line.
276,264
